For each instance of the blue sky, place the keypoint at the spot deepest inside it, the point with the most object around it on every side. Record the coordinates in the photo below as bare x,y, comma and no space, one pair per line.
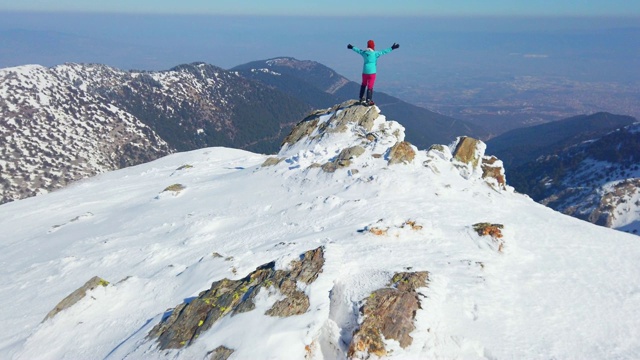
341,7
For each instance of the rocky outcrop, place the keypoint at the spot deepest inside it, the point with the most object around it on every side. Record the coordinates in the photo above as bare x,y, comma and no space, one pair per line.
303,129
467,151
76,296
401,153
388,313
272,160
334,138
187,321
343,159
493,172
220,353
340,117
468,155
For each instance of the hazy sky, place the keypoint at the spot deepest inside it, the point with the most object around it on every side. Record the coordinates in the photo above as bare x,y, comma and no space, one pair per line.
341,7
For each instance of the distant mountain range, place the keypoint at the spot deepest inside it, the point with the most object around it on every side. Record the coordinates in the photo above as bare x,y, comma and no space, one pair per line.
72,121
584,166
522,145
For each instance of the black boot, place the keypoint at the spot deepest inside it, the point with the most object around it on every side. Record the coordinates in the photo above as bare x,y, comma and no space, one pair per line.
370,97
362,88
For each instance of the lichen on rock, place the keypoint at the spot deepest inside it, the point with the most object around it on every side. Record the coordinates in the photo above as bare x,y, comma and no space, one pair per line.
175,188
187,321
272,160
76,296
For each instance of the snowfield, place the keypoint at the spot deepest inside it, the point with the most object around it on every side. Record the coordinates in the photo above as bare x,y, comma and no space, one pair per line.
560,288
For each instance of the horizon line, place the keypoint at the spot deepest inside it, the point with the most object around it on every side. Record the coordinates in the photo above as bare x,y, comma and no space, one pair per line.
269,15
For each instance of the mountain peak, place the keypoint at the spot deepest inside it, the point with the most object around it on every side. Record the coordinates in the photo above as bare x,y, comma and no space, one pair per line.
360,140
292,63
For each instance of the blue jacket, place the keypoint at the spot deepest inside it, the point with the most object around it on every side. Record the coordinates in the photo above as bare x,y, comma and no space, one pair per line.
370,58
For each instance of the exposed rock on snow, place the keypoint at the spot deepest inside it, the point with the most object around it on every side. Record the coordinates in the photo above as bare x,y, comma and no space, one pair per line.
468,152
388,313
494,231
469,155
493,172
221,353
401,153
76,296
343,159
380,227
187,321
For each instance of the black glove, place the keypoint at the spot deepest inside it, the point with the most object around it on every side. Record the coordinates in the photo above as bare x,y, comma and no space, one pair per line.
394,46
349,46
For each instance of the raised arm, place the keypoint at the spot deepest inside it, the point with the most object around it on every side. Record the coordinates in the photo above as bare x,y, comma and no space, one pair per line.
355,49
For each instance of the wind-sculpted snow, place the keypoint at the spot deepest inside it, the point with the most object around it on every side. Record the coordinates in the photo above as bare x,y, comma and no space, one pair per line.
421,259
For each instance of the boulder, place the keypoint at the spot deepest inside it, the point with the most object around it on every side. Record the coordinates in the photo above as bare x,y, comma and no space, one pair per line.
401,153
220,353
272,160
76,296
469,151
388,313
340,117
343,159
353,113
493,172
440,151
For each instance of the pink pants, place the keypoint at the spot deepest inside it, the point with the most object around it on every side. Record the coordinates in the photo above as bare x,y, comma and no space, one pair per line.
368,80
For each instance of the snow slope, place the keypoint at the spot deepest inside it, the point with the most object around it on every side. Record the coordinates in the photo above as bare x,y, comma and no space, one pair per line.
561,287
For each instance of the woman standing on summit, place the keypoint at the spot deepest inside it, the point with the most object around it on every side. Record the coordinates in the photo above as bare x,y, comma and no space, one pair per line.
370,57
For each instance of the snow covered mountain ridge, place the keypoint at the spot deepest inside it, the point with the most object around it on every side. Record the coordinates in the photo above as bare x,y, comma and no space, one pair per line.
350,242
73,121
597,180
54,133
